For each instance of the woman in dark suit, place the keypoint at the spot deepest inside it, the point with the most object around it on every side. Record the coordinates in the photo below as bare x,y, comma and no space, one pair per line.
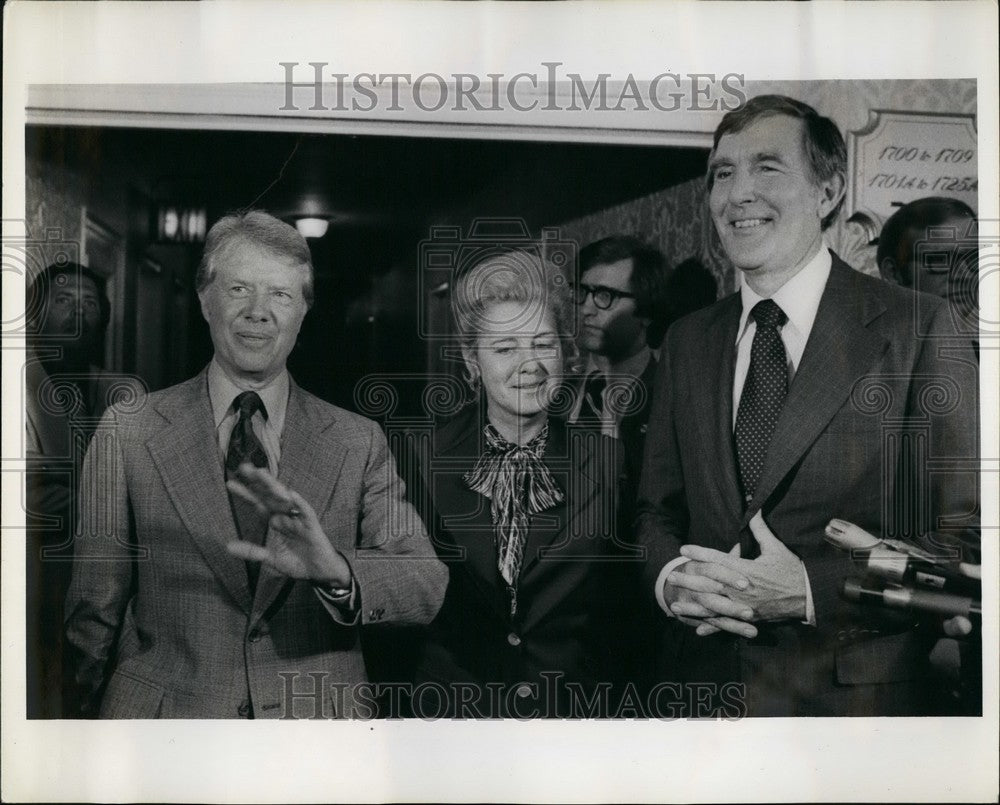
522,507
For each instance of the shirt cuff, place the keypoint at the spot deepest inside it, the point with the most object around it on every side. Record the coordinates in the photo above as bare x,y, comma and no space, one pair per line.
342,604
661,580
810,609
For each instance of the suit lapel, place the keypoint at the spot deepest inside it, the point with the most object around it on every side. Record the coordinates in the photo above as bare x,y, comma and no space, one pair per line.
465,515
841,348
712,398
571,461
186,455
312,457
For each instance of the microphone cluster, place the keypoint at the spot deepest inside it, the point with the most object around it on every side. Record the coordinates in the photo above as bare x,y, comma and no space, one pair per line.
902,576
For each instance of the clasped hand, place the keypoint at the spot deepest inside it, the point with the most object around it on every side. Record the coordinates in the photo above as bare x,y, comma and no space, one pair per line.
296,545
716,591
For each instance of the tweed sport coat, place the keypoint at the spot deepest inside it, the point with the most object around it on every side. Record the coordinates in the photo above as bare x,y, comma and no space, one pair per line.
161,615
879,428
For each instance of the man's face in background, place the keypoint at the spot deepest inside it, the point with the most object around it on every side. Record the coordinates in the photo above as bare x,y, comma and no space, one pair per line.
616,332
72,314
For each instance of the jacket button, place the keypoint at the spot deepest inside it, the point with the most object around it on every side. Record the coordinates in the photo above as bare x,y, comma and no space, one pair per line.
524,691
513,639
244,710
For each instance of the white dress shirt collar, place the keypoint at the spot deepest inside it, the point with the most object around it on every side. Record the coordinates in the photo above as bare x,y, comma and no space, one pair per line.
222,391
798,298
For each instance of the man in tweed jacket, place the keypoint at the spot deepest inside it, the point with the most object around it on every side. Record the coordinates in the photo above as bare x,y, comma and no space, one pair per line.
878,427
166,615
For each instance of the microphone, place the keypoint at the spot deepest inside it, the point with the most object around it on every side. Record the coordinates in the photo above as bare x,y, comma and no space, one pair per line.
899,561
903,569
944,604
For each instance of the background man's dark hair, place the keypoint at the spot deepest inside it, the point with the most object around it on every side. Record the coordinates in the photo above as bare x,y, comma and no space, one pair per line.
907,226
650,274
37,294
824,146
691,287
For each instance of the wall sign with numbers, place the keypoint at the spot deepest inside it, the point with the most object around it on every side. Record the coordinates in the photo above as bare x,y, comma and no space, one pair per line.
902,156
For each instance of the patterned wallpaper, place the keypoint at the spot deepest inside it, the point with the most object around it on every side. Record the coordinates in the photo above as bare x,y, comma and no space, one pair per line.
676,219
54,198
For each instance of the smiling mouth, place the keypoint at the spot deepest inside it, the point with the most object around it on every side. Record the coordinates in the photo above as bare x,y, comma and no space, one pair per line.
253,338
749,223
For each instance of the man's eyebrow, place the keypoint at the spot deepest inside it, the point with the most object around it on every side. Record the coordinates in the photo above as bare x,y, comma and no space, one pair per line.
767,156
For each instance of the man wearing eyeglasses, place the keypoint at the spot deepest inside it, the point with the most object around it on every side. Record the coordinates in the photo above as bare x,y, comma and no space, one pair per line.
621,292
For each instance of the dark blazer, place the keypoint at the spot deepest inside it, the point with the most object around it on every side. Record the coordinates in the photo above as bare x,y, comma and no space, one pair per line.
563,630
632,433
882,372
161,615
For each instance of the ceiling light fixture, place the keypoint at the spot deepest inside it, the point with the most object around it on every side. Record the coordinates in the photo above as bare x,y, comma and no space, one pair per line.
312,227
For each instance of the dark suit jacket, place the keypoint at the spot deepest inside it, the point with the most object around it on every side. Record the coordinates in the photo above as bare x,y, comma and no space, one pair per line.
563,630
883,387
161,613
632,433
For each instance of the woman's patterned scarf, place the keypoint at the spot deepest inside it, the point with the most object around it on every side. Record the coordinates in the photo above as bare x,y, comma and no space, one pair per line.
518,485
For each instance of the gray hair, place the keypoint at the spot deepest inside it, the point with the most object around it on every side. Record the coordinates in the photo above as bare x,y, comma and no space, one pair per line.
262,230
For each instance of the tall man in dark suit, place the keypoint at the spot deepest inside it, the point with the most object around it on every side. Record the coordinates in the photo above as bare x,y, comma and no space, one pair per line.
814,392
175,609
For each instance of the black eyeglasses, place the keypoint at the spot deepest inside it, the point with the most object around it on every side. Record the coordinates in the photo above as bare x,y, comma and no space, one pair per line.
604,297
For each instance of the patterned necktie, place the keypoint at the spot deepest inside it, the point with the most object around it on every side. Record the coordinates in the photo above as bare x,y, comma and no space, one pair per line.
593,401
763,394
245,447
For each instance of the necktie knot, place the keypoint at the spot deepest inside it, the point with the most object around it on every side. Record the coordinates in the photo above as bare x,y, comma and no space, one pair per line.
767,313
249,403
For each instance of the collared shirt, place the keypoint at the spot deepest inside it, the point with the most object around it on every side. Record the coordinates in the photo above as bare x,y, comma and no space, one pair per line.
222,392
624,377
799,299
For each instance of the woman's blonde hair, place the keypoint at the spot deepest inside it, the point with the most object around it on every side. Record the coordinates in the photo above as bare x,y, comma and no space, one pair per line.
514,275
